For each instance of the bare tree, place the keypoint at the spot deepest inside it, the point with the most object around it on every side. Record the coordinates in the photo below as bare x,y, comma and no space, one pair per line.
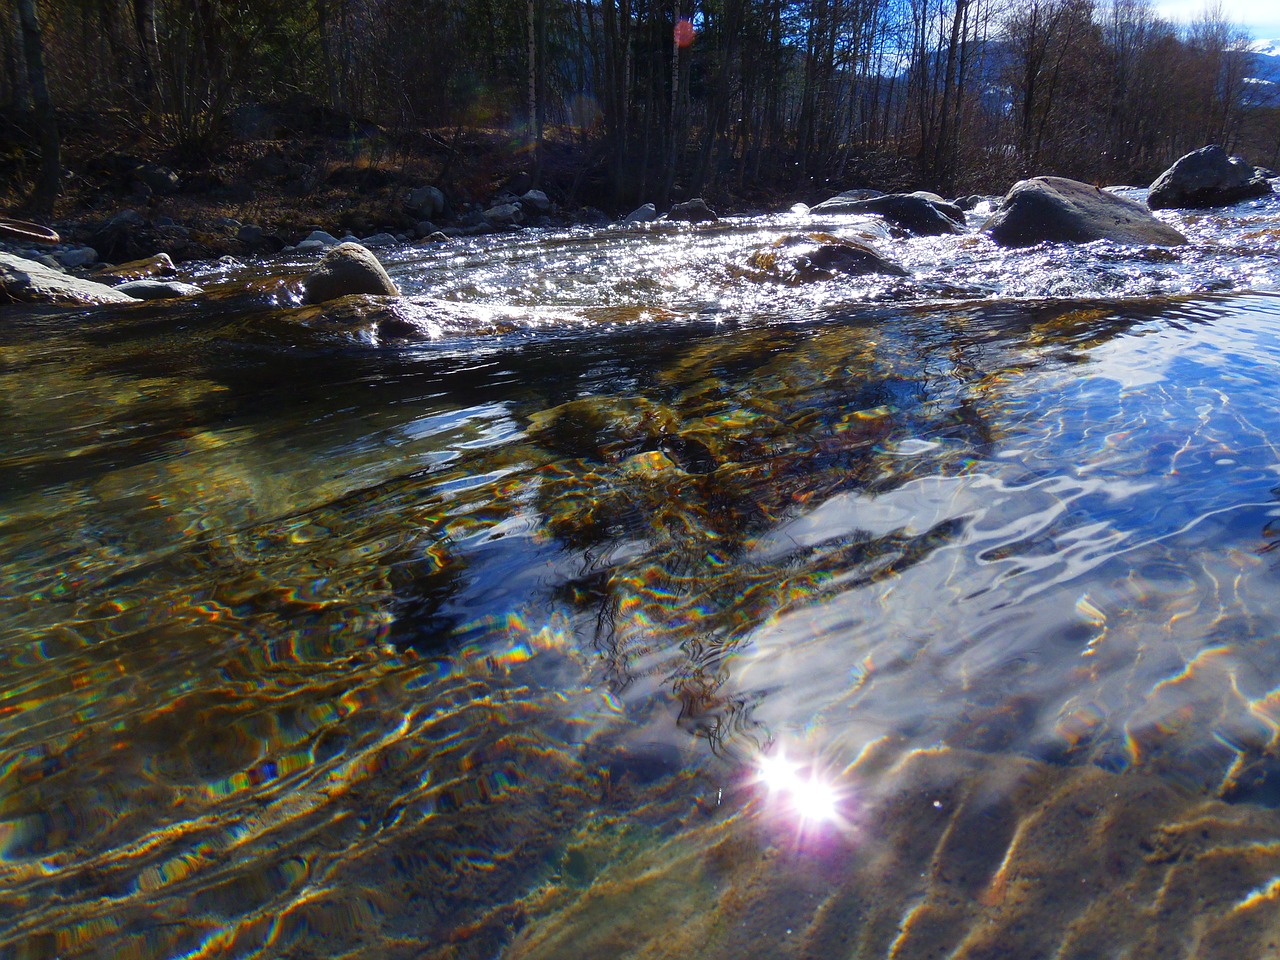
49,181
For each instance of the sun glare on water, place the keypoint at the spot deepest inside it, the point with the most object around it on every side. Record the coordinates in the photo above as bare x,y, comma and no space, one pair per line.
803,790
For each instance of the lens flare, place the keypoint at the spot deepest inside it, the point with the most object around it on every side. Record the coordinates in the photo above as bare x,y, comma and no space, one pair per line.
803,790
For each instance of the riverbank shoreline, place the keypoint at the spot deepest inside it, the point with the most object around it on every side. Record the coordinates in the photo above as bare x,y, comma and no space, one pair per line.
126,196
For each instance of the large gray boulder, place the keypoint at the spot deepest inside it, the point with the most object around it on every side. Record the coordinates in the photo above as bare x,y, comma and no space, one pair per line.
924,215
1207,177
346,269
1058,210
26,281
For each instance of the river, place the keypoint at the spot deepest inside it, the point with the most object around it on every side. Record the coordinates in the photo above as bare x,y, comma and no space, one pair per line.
609,594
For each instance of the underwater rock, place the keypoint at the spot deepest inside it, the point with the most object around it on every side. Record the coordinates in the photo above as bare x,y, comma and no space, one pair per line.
922,214
595,427
26,281
1207,177
799,258
1059,210
346,269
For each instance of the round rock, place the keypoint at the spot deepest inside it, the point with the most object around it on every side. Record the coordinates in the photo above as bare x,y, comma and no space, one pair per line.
347,269
1058,210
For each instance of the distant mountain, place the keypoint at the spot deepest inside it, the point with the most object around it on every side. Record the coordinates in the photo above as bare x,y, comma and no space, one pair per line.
1263,71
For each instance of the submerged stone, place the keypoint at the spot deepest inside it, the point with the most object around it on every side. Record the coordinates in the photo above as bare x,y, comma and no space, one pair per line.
594,427
1059,210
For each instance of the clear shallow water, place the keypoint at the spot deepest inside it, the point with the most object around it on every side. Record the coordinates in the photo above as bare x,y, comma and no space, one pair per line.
599,598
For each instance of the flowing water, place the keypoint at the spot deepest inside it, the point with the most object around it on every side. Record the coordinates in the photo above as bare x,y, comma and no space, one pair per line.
630,594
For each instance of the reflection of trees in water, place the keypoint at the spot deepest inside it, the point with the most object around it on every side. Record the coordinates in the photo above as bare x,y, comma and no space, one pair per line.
732,437
736,439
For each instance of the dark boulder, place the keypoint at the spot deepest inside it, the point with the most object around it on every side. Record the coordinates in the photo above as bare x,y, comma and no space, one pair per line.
915,213
347,269
1207,177
693,211
1058,210
156,178
801,258
126,236
257,239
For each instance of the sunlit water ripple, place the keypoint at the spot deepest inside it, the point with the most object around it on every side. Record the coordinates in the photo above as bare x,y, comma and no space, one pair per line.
602,597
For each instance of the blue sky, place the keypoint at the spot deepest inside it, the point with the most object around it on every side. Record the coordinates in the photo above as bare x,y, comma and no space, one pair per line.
1260,17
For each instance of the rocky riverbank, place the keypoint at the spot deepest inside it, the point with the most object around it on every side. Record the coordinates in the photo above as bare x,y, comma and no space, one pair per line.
79,269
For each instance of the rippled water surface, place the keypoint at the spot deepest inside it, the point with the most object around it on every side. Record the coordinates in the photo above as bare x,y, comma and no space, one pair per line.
609,595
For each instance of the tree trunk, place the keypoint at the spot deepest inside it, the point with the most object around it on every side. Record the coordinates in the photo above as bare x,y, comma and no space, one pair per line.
534,133
47,186
144,25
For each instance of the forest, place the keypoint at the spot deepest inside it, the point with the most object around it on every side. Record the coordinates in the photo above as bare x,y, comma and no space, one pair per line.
655,99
